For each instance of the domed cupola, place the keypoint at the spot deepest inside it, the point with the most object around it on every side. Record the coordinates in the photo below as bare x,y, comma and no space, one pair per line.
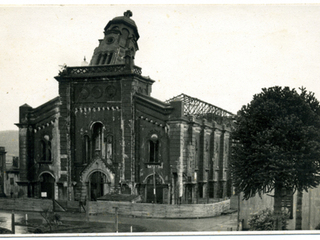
120,39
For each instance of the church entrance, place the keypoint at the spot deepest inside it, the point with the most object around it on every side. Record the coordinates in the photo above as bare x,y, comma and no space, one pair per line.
97,180
97,185
154,189
46,186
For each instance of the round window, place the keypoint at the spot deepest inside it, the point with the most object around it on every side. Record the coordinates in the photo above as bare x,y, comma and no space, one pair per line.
110,40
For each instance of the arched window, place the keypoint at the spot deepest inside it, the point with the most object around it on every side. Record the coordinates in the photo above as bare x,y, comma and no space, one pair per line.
86,149
45,149
97,137
48,150
108,61
109,148
154,149
98,59
104,58
125,33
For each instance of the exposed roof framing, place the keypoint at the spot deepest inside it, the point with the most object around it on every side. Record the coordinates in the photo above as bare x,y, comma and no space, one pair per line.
194,106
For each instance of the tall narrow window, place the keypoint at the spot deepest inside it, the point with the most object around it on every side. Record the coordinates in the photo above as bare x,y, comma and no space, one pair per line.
154,149
104,58
48,150
45,149
109,148
86,149
196,157
109,58
15,162
97,138
98,59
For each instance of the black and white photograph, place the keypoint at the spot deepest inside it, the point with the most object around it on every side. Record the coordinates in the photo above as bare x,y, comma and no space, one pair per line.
159,119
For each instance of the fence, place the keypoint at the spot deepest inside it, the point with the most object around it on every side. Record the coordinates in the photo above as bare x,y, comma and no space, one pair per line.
159,210
148,210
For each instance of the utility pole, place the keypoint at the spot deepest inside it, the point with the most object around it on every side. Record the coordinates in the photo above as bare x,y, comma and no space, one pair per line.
238,216
12,223
53,203
116,219
154,184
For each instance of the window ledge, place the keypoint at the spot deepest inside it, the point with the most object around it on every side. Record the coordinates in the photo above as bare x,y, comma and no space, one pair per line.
45,162
153,163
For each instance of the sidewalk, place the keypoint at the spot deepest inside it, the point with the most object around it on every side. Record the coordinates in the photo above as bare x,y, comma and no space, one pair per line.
219,223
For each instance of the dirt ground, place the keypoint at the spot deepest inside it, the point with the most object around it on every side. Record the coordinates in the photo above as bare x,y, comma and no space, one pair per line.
105,223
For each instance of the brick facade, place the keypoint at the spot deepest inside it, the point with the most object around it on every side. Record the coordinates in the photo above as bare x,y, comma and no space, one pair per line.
105,134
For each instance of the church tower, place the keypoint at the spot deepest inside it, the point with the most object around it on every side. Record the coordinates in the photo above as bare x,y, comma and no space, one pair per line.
120,40
97,116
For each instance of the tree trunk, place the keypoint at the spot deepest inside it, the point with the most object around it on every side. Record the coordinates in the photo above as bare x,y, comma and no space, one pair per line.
278,206
299,211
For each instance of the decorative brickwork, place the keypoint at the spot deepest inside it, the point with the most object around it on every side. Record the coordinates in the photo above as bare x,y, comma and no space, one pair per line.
106,134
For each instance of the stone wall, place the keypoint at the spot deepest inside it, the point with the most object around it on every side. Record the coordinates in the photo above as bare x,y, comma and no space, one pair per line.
150,210
25,204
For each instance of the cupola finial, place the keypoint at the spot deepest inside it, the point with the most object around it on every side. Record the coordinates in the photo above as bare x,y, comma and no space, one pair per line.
127,14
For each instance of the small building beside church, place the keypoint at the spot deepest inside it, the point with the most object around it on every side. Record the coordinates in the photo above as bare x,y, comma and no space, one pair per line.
2,171
106,134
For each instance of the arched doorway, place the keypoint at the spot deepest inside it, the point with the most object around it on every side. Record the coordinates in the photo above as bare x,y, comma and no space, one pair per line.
46,185
98,185
97,179
154,189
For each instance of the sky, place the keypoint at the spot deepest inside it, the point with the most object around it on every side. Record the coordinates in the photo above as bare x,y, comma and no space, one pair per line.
221,54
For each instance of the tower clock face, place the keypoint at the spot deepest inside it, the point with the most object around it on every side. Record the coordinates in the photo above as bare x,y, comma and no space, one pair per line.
111,91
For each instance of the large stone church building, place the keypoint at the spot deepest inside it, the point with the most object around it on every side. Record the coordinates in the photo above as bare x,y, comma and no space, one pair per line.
106,134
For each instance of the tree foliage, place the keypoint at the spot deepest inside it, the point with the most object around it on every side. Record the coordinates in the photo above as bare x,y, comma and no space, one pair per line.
277,140
265,220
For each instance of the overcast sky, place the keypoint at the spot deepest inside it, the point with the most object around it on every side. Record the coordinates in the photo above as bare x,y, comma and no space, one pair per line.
222,54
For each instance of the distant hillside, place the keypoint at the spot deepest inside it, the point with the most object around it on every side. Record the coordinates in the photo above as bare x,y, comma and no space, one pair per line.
10,140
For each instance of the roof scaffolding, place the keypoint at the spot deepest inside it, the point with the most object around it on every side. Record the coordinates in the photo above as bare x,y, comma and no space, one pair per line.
196,107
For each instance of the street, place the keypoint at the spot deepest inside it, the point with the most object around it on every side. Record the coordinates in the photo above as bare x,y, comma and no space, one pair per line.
219,223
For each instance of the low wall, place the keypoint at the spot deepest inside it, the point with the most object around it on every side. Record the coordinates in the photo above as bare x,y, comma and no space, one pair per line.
148,210
25,204
159,210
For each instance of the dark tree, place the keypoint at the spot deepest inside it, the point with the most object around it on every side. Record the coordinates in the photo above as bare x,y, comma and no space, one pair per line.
277,144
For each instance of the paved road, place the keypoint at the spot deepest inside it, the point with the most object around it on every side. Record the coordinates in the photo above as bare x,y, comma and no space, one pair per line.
219,223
